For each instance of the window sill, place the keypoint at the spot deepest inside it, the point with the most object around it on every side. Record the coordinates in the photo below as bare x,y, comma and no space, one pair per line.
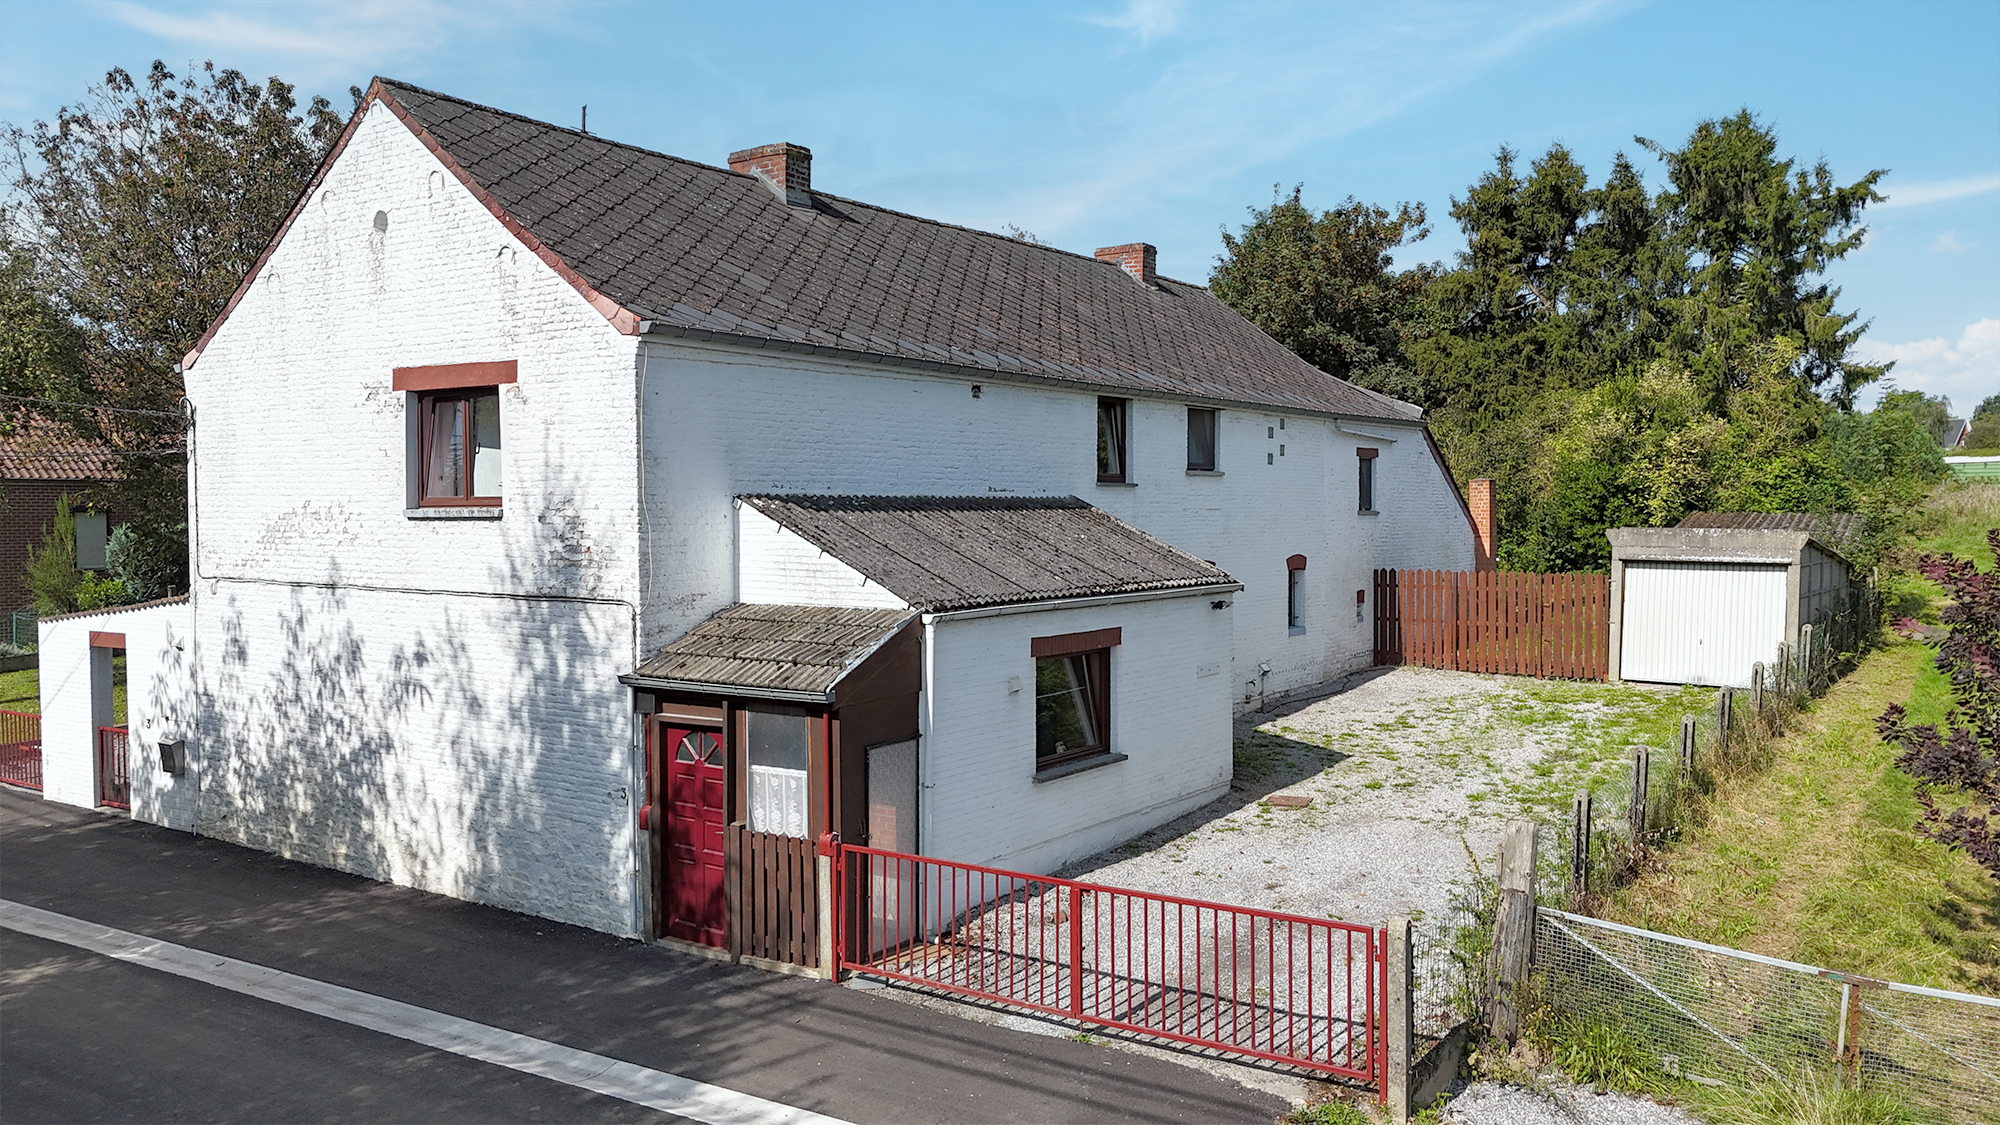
1368,512
1204,472
1079,766
1116,484
491,512
1296,630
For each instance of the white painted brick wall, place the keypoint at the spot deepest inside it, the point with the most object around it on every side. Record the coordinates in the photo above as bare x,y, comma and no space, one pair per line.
156,699
429,702
777,567
727,420
979,802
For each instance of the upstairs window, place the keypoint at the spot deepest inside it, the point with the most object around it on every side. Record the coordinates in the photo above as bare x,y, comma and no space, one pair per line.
1295,586
1201,440
459,448
1367,459
1112,414
454,435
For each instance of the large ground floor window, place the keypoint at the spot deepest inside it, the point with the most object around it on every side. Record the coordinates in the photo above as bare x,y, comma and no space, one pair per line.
1072,706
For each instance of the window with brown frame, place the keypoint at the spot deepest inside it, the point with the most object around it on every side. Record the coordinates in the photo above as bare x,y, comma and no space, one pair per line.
1367,458
1072,696
1112,415
458,459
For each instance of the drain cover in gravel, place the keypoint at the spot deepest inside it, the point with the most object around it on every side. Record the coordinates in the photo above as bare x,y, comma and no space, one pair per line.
1287,801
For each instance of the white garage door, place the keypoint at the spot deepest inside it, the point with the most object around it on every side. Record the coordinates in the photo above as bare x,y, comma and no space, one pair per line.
1700,623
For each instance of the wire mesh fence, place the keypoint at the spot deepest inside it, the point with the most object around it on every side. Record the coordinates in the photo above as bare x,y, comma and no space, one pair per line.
1709,1013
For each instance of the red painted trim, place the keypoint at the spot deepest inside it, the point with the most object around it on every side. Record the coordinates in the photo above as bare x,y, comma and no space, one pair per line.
621,318
1367,454
1069,644
451,376
1296,562
106,640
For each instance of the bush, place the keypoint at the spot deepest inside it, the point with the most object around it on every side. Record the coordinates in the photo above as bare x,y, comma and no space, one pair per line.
52,574
149,559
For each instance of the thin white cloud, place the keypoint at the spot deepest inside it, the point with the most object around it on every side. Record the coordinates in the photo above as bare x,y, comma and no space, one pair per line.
1937,191
1965,370
1148,19
1948,243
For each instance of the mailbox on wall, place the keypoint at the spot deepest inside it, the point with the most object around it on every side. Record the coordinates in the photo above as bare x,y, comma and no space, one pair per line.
173,757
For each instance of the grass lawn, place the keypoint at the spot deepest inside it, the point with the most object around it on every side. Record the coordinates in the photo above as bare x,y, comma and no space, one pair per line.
1816,859
21,691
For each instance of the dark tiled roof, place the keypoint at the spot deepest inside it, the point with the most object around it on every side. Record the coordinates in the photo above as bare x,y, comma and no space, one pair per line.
942,553
1837,530
703,249
793,648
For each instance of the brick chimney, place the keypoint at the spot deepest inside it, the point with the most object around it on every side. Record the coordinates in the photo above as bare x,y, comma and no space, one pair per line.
1481,503
1137,259
785,168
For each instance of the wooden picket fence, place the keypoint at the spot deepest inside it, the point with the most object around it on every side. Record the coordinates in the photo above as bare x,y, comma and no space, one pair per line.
1557,626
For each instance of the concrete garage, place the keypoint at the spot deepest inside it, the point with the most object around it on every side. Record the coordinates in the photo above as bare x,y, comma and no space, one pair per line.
1703,602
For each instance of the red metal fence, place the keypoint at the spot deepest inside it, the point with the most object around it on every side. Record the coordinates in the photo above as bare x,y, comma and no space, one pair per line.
114,767
1552,625
21,749
1275,986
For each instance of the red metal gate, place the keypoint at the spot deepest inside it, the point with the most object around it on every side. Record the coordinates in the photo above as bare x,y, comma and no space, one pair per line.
1274,986
114,768
21,749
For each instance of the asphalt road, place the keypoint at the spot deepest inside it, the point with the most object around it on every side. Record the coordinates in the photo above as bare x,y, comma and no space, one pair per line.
84,1037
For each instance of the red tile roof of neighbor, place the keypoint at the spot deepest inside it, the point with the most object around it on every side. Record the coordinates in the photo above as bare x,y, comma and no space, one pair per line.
714,253
36,449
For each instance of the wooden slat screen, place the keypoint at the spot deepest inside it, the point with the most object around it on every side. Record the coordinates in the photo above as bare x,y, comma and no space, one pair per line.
1557,626
777,900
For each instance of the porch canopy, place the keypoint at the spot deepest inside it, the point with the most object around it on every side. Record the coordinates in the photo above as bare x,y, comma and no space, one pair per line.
793,653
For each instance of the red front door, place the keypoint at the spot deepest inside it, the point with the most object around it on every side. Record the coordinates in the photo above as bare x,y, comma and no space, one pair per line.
692,759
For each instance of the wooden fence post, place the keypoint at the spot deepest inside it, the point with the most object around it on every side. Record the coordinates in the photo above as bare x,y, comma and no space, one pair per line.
1579,849
1398,1026
1687,748
1725,706
1805,657
1783,669
1757,691
1513,928
1642,768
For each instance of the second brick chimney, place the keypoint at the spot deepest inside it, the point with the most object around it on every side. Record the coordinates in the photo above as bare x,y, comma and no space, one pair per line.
785,168
1136,257
1481,503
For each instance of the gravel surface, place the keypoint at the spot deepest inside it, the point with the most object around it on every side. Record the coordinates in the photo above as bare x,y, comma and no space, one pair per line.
1490,1103
1411,771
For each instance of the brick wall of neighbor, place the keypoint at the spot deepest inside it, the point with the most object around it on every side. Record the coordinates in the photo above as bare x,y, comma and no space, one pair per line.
157,707
1169,714
430,702
722,421
26,516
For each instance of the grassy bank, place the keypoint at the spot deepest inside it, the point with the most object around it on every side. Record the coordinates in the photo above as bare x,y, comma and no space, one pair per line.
21,691
1816,858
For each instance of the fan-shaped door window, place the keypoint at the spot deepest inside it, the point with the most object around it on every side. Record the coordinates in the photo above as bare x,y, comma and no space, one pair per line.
699,747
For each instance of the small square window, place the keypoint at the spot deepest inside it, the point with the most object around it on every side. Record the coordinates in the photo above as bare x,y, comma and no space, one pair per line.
1072,707
1112,414
1201,439
458,449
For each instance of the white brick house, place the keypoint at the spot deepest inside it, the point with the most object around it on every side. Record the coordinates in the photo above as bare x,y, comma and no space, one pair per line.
497,422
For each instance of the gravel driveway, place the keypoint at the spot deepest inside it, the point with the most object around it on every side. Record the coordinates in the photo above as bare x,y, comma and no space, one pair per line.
1410,771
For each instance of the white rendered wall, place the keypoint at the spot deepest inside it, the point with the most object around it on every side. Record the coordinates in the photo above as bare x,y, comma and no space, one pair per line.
725,420
430,702
157,707
979,802
777,567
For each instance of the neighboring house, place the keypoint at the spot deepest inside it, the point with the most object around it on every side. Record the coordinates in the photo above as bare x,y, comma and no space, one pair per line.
38,465
1956,431
574,526
1705,602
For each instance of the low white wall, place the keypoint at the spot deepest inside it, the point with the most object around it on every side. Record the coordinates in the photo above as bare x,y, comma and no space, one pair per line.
76,699
1170,714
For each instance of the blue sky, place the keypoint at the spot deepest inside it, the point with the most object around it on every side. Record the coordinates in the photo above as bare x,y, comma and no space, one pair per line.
1093,124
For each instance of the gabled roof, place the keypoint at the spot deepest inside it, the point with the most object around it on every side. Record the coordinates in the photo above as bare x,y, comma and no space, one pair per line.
944,553
658,242
1837,531
774,649
38,449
